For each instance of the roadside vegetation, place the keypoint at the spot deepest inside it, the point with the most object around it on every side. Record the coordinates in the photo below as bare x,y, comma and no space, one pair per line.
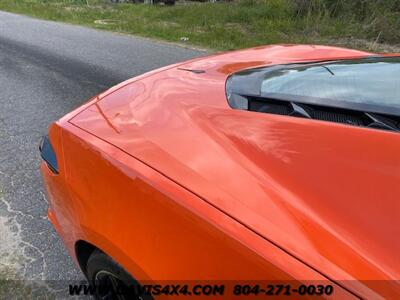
11,260
367,24
10,286
14,289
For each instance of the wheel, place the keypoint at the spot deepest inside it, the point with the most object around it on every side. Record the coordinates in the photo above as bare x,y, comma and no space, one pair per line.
169,2
110,280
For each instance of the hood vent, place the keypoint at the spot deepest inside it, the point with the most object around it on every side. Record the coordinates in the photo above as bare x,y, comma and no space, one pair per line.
324,113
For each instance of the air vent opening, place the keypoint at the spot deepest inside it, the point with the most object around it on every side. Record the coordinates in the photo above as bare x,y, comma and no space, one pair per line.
324,113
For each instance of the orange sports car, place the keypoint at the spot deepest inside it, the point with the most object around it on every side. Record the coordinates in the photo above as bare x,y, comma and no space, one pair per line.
268,171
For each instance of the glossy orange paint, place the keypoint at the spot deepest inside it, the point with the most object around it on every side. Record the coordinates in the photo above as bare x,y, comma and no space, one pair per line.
161,174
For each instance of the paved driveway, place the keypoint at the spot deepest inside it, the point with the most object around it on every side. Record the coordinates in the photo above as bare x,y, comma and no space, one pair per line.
47,69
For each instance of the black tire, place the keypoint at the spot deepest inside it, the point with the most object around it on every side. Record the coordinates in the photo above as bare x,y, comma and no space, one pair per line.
110,279
169,2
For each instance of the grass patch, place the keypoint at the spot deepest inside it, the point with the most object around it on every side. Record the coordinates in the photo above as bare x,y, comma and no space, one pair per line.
14,289
232,25
22,289
12,286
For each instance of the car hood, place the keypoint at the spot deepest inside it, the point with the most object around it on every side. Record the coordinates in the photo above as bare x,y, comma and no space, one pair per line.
326,193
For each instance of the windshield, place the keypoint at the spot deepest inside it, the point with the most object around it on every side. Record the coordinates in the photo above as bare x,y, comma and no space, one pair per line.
370,84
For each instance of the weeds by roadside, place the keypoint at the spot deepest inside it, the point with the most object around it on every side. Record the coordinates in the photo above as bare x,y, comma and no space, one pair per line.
11,259
237,24
10,286
233,25
13,289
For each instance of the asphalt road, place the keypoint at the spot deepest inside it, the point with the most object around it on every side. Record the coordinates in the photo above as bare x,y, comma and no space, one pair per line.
47,69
